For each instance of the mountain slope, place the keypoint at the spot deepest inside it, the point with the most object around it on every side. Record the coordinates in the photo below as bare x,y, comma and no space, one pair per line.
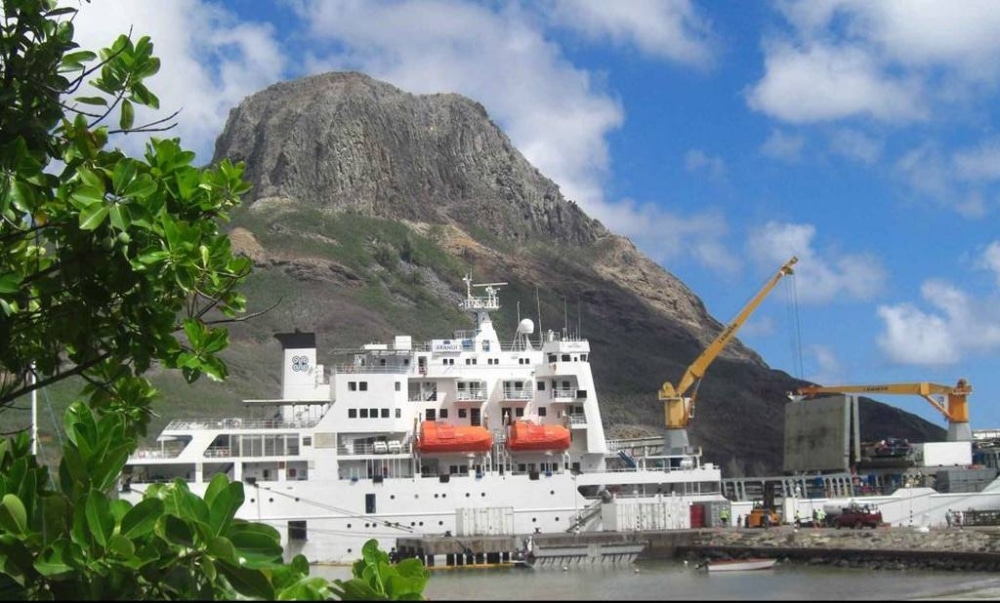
370,203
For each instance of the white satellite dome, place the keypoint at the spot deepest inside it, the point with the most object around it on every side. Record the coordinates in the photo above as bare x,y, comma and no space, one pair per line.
526,327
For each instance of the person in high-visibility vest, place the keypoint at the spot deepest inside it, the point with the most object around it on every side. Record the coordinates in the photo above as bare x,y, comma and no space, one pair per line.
724,516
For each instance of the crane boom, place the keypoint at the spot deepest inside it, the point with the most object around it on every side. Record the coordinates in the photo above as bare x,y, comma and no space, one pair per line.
956,411
678,409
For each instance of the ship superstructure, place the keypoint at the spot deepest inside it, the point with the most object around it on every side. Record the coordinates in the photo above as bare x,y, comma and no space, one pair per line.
461,436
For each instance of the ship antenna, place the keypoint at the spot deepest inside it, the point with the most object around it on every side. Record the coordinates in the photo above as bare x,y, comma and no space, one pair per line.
538,304
579,327
565,319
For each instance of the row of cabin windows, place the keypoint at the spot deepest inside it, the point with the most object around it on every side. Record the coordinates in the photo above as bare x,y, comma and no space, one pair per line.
372,413
489,361
519,411
566,358
362,386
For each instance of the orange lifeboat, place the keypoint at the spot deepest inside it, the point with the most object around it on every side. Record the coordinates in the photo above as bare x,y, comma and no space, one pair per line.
525,435
441,437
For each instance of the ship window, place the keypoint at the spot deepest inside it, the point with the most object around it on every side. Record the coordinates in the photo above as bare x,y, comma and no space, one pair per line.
385,413
352,386
518,412
406,362
363,386
583,357
381,361
444,413
297,530
462,413
352,413
565,357
542,411
307,441
399,386
521,467
552,357
486,346
373,413
431,414
541,386
369,503
364,413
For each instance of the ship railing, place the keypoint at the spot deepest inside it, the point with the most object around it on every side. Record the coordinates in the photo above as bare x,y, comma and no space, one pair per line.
577,419
376,448
199,424
629,443
156,453
475,396
564,392
518,394
349,367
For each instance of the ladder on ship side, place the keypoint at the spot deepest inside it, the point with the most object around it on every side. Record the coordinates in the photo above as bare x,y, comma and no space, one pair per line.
585,515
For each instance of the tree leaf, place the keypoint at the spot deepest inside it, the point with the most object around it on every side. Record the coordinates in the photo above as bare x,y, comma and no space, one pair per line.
10,283
93,215
128,115
248,582
99,518
142,518
13,515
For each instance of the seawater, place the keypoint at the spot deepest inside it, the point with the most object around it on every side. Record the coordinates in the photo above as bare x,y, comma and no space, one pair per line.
674,580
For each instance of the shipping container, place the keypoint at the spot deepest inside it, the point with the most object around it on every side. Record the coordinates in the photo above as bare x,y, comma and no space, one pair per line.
488,521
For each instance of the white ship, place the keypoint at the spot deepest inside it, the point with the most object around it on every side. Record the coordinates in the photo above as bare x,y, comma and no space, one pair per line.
465,436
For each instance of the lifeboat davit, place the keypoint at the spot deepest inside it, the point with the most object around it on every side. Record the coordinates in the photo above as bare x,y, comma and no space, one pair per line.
525,435
442,437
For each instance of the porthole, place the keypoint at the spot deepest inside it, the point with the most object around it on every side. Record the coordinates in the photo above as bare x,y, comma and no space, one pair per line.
467,495
534,519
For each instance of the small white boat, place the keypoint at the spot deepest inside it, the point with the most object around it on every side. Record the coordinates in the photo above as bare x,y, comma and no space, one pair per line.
739,565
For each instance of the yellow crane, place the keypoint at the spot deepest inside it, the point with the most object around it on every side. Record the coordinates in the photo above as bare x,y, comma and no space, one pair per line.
678,408
955,406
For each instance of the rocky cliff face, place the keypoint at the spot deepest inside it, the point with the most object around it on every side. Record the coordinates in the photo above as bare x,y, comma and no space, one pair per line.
431,188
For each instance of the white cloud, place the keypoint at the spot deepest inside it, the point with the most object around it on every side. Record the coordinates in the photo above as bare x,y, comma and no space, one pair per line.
824,83
856,145
668,30
780,145
666,236
929,33
818,278
828,369
979,164
954,183
209,61
889,60
697,160
955,326
991,260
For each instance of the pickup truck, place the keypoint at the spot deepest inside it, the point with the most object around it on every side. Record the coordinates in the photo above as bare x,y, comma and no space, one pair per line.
857,516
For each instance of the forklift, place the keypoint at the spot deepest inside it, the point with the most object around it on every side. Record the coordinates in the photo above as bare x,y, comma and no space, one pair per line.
764,514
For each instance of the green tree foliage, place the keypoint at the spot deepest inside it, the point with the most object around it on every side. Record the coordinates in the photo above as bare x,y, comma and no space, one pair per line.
109,265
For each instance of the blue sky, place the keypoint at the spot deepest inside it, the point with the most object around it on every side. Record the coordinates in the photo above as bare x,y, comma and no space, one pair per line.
721,137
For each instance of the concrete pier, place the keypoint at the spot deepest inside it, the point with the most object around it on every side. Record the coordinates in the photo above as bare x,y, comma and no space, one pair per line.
967,548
